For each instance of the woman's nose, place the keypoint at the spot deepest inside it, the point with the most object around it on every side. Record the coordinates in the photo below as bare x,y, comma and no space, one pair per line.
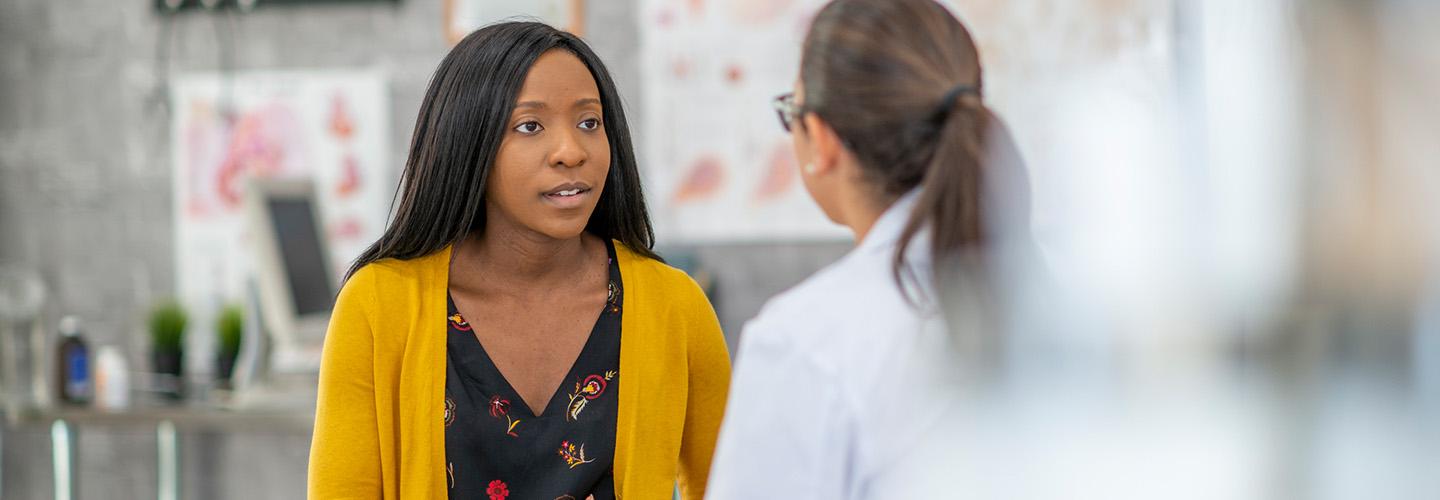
569,152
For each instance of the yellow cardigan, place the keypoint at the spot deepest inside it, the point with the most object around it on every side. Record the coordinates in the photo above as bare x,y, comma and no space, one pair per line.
379,429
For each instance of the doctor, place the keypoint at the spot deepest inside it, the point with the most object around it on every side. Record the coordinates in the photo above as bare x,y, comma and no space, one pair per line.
843,381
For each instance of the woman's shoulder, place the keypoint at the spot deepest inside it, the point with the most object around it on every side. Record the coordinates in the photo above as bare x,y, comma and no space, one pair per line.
656,275
848,302
844,285
390,272
389,282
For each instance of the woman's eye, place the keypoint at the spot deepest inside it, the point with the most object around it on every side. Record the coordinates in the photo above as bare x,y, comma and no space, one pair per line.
590,124
529,128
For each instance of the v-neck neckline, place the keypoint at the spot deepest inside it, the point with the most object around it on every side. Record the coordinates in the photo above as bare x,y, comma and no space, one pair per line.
611,303
494,370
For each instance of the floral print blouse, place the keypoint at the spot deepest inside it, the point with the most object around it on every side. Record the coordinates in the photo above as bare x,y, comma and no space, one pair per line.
496,448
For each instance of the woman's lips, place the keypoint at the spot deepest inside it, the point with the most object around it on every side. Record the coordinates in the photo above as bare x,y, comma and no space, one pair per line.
567,198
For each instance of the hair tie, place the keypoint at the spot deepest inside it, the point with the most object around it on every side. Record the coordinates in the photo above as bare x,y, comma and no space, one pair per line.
947,103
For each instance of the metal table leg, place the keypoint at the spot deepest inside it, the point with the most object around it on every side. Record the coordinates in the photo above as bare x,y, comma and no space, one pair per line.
63,465
168,460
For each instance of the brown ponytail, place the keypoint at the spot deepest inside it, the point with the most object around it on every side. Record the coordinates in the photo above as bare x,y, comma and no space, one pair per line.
900,82
950,190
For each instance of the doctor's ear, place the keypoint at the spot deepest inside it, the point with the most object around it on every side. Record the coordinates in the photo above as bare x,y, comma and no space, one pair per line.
826,147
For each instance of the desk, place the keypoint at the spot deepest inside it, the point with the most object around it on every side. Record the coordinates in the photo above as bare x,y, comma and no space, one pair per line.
168,421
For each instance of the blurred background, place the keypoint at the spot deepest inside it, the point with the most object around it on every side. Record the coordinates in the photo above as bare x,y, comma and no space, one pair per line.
1236,200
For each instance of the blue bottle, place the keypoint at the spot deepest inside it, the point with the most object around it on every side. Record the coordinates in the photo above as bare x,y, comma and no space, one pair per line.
77,386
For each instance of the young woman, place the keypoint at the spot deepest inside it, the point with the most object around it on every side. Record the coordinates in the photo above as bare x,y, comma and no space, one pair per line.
844,382
512,335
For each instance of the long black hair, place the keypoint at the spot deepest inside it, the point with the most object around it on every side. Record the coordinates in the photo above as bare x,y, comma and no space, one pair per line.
458,133
900,82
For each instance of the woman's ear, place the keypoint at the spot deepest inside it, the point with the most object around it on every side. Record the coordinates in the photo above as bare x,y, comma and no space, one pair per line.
825,146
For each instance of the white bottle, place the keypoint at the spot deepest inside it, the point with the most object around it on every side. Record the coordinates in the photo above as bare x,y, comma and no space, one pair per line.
112,379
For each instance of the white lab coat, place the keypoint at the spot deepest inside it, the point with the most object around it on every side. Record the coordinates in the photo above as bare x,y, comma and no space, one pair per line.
841,387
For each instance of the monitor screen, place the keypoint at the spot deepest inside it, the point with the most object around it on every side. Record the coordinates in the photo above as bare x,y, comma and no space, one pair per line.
298,236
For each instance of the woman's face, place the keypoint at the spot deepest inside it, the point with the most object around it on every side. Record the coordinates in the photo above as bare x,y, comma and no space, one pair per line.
554,159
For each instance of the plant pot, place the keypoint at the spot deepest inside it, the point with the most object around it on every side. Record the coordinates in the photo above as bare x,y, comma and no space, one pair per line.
169,361
225,366
169,367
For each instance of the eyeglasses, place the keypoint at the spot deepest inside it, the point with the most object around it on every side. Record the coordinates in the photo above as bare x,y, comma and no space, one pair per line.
787,109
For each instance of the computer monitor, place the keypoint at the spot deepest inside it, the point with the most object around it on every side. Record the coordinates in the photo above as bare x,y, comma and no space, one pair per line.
293,275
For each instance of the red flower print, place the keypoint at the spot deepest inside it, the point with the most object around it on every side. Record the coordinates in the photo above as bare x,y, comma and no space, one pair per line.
592,387
573,457
497,490
585,390
499,407
459,322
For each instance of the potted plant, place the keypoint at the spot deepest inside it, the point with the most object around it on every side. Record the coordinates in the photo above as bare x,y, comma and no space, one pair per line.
230,327
167,336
